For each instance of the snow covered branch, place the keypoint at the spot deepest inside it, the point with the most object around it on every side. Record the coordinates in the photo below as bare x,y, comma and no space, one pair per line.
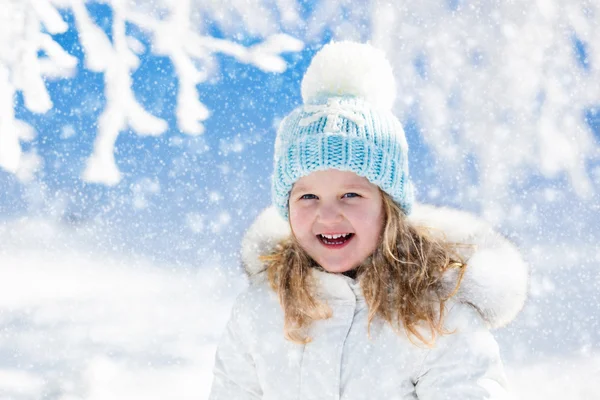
172,35
506,84
22,70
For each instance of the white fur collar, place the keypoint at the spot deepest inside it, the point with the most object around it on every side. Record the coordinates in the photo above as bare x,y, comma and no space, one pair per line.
496,278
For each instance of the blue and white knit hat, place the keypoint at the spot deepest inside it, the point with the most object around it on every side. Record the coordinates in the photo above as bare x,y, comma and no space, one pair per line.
345,123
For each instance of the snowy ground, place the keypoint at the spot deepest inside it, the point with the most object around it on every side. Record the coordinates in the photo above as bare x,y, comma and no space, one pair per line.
77,322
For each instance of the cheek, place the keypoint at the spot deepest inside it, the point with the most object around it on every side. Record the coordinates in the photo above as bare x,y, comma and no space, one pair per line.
366,215
370,220
378,216
299,221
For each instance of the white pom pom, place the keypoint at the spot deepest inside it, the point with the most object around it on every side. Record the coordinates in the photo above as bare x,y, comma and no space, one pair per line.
349,68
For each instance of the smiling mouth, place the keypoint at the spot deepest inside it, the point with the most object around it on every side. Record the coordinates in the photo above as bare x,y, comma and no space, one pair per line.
335,240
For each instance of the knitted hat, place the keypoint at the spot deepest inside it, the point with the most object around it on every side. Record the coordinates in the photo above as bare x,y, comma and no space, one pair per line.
345,123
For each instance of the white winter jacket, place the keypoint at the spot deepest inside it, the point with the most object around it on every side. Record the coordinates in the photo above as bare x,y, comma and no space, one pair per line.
255,361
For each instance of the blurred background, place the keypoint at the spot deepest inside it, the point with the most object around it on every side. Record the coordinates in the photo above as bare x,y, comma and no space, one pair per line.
136,148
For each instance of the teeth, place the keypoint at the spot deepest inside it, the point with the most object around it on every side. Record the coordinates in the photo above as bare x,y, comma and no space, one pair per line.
335,236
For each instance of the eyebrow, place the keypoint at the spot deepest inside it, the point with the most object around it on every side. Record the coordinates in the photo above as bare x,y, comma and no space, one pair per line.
356,186
302,188
298,188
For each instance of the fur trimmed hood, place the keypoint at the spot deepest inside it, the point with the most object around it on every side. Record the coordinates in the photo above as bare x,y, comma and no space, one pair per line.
495,281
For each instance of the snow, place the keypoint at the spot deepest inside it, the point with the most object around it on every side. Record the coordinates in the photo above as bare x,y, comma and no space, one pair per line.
500,82
192,54
541,55
21,69
78,322
497,92
557,378
143,190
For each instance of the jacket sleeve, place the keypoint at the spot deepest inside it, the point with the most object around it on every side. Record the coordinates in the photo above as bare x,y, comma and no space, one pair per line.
464,364
235,375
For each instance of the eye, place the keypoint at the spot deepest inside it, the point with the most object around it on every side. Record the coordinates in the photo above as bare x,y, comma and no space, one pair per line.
308,197
350,195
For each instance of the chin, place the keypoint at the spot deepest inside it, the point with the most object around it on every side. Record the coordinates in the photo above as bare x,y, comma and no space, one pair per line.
336,268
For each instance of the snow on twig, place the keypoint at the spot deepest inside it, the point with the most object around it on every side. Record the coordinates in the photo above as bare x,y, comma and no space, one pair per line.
175,38
122,109
191,53
502,84
21,69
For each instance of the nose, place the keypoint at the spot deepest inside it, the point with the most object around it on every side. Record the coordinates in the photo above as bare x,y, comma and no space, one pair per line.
329,213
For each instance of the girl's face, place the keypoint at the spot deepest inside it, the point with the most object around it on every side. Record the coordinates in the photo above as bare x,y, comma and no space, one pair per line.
336,217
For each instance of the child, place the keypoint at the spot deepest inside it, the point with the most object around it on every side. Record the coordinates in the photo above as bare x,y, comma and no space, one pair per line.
350,297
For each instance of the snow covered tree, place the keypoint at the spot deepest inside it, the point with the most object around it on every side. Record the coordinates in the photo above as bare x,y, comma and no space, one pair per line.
506,86
175,29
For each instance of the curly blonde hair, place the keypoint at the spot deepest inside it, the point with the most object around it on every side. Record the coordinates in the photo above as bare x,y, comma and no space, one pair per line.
401,280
